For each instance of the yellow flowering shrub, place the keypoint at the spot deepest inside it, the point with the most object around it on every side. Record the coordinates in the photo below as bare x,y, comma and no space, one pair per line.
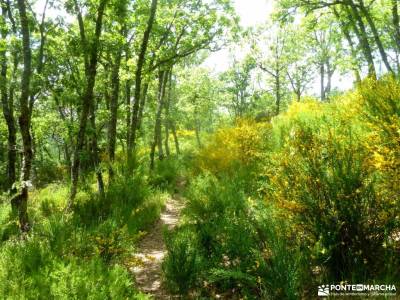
335,173
327,174
241,144
185,133
382,115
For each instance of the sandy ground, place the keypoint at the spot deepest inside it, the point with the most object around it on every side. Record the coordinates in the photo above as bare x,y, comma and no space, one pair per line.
151,251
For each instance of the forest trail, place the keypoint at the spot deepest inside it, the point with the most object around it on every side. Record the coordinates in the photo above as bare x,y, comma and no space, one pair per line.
151,250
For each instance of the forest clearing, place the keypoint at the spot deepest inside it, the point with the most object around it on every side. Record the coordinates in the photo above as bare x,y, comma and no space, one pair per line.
199,149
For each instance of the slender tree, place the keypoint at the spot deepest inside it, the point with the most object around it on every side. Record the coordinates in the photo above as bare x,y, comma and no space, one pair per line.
20,200
90,54
157,139
7,103
138,80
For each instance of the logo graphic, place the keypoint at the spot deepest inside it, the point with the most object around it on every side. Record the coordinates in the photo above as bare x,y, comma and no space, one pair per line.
343,288
323,290
359,287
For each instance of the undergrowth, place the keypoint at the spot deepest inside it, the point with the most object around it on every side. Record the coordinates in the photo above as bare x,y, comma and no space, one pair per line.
83,254
312,197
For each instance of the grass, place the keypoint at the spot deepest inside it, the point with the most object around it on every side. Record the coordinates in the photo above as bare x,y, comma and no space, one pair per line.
80,255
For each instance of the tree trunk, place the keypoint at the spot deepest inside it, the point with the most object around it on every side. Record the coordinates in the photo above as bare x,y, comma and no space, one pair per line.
166,140
175,135
87,97
143,99
40,61
67,155
377,39
8,110
167,116
362,37
197,129
138,80
296,86
346,33
20,200
157,139
322,80
396,23
277,92
95,152
128,87
329,74
112,129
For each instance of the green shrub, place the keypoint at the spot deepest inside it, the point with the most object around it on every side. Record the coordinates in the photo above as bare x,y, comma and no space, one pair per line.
81,254
323,180
181,264
28,270
230,242
90,280
8,224
123,196
318,204
47,171
165,173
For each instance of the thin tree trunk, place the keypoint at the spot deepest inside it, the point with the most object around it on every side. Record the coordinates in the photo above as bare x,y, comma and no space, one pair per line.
66,142
95,151
197,129
8,110
295,86
277,92
362,37
67,155
329,74
322,80
20,200
108,78
112,129
143,99
128,87
157,139
377,39
166,140
175,135
87,97
396,23
167,116
138,80
35,150
346,33
40,61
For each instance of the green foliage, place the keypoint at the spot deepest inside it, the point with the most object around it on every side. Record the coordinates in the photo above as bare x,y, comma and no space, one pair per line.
285,192
165,173
321,174
322,207
9,226
29,270
80,255
227,244
181,265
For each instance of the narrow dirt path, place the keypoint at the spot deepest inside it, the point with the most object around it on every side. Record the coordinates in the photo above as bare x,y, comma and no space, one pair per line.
151,251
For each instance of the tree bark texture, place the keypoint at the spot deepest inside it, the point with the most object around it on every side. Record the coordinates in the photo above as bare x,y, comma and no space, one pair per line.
138,80
20,200
87,97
